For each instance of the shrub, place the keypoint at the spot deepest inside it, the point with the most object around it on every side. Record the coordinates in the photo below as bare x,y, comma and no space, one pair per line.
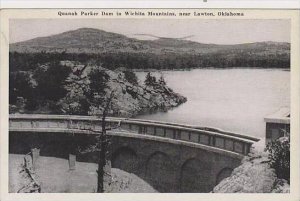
162,81
19,86
279,155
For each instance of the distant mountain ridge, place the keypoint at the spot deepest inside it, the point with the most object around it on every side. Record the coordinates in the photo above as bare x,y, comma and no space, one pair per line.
90,40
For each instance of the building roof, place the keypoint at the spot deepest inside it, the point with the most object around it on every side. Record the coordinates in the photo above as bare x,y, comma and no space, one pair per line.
281,116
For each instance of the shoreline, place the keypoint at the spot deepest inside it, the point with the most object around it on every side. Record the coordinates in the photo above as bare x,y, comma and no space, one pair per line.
210,68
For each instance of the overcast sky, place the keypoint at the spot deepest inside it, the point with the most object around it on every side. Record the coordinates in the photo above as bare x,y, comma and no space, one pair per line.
205,31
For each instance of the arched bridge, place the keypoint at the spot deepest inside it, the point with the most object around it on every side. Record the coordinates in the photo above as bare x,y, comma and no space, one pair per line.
170,157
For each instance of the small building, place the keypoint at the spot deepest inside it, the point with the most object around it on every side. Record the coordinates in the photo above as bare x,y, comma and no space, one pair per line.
278,124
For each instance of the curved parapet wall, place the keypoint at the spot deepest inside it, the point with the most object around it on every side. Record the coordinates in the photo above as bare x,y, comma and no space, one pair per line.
170,157
220,140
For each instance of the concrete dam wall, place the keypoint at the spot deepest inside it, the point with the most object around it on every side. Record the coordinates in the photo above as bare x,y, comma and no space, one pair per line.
168,164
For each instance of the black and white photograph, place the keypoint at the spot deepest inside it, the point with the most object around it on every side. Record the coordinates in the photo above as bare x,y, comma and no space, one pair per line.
150,104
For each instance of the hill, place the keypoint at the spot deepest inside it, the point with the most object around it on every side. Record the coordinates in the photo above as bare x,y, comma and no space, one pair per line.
115,50
84,39
92,40
96,41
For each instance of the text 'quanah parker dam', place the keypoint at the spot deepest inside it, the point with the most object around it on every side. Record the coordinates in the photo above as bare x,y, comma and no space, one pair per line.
170,157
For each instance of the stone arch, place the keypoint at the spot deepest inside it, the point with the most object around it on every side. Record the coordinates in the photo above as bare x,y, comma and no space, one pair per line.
125,159
160,172
225,172
195,176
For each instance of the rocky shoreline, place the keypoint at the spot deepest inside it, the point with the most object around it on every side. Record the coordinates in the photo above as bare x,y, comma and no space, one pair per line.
254,175
130,99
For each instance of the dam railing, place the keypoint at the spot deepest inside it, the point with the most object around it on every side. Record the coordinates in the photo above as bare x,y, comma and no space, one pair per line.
212,137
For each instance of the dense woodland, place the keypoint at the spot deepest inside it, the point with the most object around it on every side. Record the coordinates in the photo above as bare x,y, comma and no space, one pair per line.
31,89
144,61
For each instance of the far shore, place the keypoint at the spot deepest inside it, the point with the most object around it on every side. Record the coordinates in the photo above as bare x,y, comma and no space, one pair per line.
209,68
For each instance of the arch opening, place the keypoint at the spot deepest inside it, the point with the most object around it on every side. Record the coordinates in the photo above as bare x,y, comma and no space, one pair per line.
224,173
160,172
125,159
195,176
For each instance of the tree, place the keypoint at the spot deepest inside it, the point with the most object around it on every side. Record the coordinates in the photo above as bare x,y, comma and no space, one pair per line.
103,145
98,83
51,81
130,76
150,80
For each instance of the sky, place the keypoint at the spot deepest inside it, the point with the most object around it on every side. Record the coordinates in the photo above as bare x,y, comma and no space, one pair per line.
221,31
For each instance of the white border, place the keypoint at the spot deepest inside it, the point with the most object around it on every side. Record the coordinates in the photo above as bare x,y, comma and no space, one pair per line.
295,83
280,4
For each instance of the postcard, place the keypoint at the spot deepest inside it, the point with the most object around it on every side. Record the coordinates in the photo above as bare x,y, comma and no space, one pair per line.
142,104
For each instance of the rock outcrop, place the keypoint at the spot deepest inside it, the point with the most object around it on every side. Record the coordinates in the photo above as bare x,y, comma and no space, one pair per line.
129,99
254,175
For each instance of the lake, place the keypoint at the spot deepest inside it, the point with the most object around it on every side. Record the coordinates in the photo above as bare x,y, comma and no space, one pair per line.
234,100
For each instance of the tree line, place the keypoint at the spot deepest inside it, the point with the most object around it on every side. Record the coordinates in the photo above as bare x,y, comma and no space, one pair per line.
29,61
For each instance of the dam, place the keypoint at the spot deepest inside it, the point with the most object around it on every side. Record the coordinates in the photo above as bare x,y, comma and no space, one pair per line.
170,157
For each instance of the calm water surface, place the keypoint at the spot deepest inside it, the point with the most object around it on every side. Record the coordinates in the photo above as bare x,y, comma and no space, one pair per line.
233,99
